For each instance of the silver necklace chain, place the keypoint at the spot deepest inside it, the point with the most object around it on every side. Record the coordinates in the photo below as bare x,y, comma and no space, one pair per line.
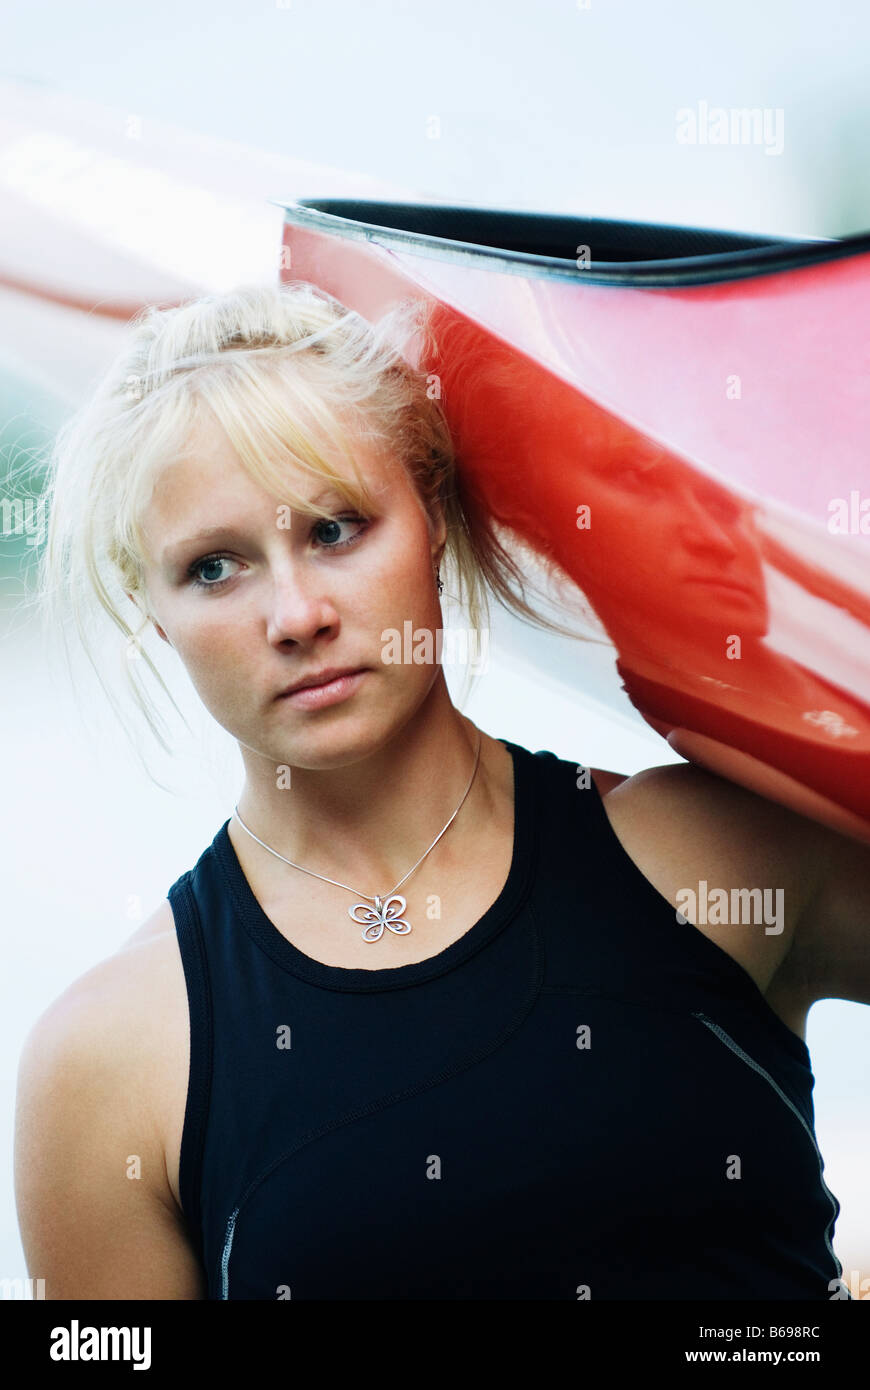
388,907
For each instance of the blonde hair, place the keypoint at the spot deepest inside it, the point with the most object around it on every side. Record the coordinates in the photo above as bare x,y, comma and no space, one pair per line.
281,369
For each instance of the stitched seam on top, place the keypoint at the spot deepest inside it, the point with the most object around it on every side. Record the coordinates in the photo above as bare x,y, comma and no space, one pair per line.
750,1061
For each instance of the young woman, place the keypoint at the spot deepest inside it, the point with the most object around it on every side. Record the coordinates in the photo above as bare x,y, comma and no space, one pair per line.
425,1019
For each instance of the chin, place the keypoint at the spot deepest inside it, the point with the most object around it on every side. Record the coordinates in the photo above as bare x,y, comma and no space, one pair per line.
323,749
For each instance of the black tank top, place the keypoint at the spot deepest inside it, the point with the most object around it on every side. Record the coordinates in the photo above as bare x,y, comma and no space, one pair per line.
582,1097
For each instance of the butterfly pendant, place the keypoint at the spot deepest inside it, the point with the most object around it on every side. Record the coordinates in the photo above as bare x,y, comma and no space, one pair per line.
384,914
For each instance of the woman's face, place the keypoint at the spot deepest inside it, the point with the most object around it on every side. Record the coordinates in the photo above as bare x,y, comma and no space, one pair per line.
283,596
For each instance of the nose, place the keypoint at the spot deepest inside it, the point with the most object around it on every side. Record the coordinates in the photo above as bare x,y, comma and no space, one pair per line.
707,527
299,608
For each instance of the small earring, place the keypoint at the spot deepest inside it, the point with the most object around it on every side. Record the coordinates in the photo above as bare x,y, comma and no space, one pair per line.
440,581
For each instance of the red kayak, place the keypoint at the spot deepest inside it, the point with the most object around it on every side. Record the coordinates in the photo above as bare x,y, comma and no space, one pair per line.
680,419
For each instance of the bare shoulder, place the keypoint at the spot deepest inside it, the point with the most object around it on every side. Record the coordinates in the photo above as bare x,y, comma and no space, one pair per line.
102,1072
692,795
120,1025
681,824
693,818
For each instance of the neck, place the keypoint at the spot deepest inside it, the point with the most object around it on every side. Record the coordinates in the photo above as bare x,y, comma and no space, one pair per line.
366,822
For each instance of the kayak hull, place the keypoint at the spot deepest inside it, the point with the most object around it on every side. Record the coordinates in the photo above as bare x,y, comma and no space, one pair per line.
684,435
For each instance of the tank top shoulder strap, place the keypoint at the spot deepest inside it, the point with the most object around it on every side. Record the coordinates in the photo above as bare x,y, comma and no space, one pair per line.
632,932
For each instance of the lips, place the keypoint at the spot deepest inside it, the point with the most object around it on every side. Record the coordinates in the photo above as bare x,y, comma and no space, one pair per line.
722,584
320,678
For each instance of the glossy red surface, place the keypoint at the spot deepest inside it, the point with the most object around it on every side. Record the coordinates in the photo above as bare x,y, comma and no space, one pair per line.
696,459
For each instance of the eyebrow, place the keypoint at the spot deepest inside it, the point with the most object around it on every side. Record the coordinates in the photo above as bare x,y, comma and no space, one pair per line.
172,553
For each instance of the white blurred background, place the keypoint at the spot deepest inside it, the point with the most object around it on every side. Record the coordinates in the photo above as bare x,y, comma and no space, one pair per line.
138,151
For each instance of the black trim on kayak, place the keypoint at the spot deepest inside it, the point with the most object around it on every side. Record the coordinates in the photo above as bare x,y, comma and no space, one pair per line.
533,245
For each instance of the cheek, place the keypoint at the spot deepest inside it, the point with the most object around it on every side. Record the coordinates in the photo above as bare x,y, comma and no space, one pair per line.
211,649
402,570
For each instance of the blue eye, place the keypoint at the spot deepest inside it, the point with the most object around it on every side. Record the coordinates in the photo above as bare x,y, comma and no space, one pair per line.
342,521
200,564
219,559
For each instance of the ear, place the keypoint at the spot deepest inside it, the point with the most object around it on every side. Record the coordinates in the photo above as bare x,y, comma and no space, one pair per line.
439,534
